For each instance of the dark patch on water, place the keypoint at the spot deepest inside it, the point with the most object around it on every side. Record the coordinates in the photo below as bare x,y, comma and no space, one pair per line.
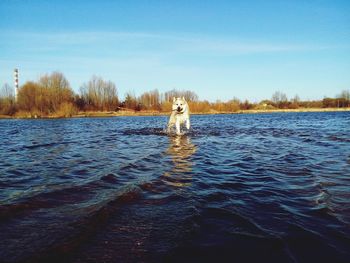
146,131
163,132
246,188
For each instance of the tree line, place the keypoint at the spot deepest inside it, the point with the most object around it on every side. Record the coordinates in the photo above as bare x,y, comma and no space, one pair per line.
52,95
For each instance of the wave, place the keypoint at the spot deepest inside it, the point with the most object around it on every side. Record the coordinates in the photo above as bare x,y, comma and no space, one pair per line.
66,225
45,145
55,196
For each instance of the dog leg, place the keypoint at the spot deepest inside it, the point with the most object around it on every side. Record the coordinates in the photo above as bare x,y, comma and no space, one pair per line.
169,126
171,123
177,124
188,124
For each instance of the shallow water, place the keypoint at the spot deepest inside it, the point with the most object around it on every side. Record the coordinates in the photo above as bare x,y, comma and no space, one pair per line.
244,188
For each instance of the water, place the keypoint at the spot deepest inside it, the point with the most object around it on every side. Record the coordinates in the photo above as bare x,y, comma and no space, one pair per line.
244,188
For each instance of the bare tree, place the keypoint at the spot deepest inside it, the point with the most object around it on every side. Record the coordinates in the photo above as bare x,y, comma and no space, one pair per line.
296,99
345,94
130,101
7,99
54,90
150,100
30,97
280,99
7,91
99,94
188,95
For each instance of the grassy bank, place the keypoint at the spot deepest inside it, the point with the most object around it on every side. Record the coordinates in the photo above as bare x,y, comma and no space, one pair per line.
297,110
157,113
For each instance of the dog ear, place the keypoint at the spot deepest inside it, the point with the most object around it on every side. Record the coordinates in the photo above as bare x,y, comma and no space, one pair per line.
183,97
174,99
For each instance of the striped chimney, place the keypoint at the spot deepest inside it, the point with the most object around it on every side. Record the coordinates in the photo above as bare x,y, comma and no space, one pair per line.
15,76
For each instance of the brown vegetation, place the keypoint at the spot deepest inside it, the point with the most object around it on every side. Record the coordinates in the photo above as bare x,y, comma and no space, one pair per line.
98,94
52,96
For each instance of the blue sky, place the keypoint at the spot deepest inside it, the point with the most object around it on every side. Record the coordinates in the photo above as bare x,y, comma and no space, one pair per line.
219,49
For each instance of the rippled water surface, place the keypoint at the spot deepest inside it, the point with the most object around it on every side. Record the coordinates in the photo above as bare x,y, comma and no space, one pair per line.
243,188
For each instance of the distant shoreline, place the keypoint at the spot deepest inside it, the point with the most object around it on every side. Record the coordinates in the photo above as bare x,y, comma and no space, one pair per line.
131,113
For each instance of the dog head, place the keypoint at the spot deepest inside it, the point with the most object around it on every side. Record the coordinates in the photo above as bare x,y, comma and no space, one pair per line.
179,105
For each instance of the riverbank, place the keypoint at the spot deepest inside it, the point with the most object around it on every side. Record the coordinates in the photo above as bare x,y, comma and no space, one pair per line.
157,113
297,110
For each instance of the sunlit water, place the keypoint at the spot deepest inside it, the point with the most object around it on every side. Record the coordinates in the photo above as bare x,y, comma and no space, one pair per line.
243,188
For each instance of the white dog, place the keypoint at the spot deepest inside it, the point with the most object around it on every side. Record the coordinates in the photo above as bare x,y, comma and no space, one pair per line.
180,114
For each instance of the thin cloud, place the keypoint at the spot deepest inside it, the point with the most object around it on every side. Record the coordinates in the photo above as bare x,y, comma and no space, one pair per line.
149,42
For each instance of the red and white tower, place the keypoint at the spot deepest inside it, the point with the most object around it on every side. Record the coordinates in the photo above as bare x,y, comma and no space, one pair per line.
15,76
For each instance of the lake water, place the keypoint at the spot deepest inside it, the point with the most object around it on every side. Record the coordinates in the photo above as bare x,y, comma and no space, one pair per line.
243,188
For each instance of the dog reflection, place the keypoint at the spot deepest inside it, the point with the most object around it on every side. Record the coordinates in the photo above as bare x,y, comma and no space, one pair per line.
180,150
